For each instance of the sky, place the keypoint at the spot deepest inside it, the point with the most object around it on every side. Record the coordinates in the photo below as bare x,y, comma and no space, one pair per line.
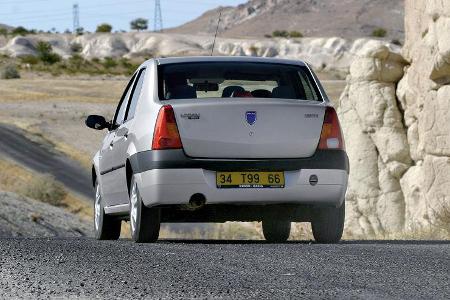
48,14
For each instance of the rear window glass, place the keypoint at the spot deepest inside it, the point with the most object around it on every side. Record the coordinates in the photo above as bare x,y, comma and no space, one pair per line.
236,79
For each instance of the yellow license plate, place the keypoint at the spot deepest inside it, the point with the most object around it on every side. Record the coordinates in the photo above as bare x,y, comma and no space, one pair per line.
250,179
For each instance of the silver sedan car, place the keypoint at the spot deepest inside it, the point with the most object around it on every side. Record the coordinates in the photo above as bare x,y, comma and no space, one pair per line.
216,139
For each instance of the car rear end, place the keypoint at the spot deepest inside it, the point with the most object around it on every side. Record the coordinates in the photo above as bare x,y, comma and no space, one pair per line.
241,133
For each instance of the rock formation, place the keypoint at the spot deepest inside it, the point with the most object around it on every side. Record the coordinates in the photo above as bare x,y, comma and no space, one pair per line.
395,115
327,54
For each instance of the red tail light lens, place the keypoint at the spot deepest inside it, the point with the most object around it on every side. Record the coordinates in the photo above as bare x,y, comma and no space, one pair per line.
331,136
166,134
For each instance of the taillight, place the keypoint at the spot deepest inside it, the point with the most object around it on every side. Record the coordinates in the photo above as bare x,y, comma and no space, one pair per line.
331,136
166,134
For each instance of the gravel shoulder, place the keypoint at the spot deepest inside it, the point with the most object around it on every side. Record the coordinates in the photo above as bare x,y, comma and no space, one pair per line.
85,268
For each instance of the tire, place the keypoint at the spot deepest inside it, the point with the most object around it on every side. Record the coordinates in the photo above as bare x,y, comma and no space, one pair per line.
144,222
105,227
276,231
328,224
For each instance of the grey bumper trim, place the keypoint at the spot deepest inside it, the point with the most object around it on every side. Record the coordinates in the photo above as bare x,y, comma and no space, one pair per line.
177,159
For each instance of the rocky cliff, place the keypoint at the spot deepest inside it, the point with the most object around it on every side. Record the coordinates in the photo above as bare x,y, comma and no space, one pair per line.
395,115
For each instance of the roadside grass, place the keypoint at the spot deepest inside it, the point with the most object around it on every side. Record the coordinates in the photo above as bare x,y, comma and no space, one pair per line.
222,231
45,189
50,63
440,230
62,90
24,182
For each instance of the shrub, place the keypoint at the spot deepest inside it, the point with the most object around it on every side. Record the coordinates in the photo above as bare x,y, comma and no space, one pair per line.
4,32
76,47
76,62
295,34
20,31
280,33
268,36
9,72
29,59
379,32
46,54
104,28
109,62
46,189
139,24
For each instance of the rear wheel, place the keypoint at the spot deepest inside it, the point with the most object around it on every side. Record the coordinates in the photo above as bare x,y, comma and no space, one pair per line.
145,222
105,227
276,231
328,224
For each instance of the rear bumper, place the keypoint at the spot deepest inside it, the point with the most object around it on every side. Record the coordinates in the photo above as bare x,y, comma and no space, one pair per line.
171,178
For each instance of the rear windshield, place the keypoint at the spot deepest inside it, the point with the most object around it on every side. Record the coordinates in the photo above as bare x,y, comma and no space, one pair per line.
236,79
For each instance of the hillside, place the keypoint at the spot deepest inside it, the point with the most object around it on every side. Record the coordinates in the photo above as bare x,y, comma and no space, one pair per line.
314,18
5,26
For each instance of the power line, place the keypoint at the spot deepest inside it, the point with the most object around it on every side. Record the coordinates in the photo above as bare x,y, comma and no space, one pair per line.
158,25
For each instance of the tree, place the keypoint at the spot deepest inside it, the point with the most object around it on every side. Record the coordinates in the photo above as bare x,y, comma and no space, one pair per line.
46,54
105,27
79,31
139,24
19,31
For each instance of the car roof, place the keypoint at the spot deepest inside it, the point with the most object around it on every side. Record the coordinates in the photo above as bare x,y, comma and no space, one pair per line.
194,59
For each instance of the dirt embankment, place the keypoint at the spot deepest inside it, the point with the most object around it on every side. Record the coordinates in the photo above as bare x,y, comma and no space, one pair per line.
21,216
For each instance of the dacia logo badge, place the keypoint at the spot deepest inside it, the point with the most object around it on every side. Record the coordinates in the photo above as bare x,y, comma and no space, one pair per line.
250,117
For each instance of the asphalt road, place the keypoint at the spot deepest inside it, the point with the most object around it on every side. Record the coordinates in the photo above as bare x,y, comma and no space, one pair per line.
42,159
85,268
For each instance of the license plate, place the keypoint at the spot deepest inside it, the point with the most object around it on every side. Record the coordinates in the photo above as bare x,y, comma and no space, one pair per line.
250,180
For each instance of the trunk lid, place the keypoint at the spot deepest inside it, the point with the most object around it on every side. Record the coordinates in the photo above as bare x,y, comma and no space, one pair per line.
249,128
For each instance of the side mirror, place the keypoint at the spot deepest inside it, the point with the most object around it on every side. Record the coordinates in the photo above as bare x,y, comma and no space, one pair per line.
97,122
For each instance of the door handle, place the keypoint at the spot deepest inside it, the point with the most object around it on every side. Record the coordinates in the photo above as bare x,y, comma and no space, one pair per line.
111,144
122,132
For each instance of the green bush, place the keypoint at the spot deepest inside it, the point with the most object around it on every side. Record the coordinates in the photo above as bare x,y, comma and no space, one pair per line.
4,32
9,72
46,54
379,32
104,28
295,34
109,62
280,33
29,59
46,189
20,31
